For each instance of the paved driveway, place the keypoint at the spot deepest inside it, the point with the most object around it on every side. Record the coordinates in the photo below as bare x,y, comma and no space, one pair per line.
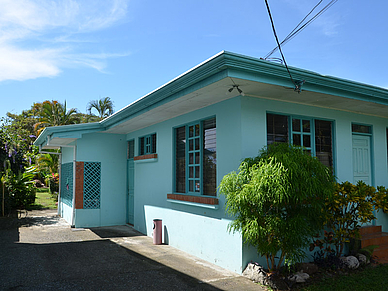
41,252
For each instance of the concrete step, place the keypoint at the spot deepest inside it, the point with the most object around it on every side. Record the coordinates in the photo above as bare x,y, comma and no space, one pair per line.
373,235
370,229
381,251
377,238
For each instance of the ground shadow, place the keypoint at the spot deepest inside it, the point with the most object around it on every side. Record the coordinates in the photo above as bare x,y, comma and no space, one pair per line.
38,220
87,265
118,231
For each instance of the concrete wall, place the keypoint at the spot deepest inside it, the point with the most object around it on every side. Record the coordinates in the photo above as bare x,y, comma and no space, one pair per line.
241,133
254,137
111,151
195,229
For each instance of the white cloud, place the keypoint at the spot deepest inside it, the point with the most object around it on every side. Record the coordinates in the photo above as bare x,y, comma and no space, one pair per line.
27,64
36,36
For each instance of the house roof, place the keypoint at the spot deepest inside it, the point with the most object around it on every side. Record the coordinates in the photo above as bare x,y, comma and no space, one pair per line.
208,83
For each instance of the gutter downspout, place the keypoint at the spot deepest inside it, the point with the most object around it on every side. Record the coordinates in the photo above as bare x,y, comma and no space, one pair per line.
74,161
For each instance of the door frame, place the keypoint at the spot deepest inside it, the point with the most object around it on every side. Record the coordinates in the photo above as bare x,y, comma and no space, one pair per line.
371,152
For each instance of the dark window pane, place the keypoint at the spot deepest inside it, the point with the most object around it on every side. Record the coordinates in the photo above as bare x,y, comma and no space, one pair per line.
197,144
191,145
324,142
180,163
191,186
191,172
277,128
197,130
131,149
191,131
209,157
296,125
197,157
307,141
141,146
296,140
306,125
153,145
361,128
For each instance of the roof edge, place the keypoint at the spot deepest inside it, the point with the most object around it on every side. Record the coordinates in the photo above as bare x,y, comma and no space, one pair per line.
67,128
225,60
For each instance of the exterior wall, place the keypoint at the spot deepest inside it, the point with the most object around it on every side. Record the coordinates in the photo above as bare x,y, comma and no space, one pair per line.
254,137
110,150
195,229
66,212
241,133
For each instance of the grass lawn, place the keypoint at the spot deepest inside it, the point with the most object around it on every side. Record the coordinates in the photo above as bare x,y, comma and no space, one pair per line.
44,200
370,278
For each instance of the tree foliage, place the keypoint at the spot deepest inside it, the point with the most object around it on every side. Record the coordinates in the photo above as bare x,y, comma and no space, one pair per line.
17,153
104,107
277,201
54,113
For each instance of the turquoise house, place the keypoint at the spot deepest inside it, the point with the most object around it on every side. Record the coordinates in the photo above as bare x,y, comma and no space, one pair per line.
163,156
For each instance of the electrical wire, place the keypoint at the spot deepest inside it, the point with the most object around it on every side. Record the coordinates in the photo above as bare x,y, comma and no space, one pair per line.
280,49
289,35
297,30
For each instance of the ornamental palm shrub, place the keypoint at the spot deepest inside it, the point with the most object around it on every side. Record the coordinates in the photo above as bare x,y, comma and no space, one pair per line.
277,201
20,188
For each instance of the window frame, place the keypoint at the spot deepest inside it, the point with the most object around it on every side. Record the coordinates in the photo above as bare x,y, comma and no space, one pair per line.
369,126
147,144
313,120
187,166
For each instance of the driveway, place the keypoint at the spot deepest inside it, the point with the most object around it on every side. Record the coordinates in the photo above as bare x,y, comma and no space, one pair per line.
41,252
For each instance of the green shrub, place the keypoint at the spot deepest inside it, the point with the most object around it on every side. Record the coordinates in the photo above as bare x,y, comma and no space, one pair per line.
19,188
277,201
350,207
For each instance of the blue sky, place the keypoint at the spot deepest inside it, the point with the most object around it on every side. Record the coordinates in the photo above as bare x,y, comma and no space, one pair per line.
83,50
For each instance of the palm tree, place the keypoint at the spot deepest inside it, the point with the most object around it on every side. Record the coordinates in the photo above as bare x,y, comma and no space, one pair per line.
48,163
104,107
54,113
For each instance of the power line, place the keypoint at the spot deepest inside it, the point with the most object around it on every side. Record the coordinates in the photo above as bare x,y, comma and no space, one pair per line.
300,27
297,87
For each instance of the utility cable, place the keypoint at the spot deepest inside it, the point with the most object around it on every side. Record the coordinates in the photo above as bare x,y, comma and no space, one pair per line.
289,35
297,88
297,30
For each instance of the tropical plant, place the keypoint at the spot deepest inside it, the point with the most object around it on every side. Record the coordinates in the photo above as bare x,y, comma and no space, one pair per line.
381,199
104,107
352,206
48,163
20,188
54,113
277,201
